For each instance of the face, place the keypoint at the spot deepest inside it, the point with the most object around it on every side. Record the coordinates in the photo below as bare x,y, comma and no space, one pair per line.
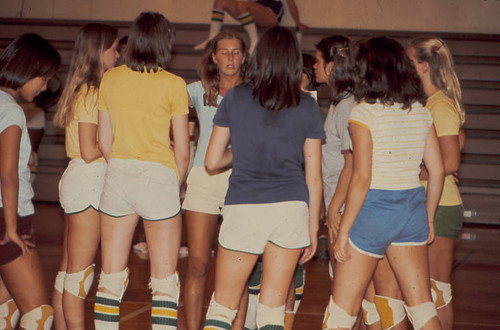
32,88
420,67
229,57
321,70
110,56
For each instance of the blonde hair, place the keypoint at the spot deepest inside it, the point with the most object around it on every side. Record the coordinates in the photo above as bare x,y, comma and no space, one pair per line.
435,52
86,68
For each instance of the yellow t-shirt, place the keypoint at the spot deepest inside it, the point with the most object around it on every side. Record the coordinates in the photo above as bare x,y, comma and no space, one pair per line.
141,106
85,112
447,122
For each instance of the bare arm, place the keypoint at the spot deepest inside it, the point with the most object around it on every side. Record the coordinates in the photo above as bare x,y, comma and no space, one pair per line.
295,14
339,197
314,182
10,141
434,164
181,144
105,134
358,188
218,156
89,147
450,150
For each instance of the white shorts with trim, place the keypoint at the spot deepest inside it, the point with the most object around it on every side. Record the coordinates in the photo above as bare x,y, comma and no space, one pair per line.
81,185
248,227
148,189
206,193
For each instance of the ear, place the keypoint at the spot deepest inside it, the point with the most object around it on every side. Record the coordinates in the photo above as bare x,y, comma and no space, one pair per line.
214,59
425,67
329,68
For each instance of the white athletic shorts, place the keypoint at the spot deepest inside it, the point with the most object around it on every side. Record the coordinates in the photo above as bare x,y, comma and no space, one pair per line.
148,189
205,193
248,227
81,185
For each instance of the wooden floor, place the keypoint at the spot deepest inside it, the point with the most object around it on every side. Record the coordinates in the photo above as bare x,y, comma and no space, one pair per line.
476,279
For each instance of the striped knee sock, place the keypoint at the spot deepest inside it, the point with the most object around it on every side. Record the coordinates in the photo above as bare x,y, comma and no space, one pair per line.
215,27
164,313
106,311
246,20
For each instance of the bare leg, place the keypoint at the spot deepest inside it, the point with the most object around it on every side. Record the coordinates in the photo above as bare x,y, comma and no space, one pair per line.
23,277
278,267
57,297
239,265
82,242
201,228
441,262
351,280
239,320
116,238
164,239
386,285
410,265
370,296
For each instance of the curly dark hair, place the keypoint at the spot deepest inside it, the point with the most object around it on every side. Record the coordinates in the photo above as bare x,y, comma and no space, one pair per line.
385,74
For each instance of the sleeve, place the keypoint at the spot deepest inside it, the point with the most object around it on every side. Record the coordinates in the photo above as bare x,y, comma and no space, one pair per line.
194,93
344,109
12,116
361,116
221,117
103,90
86,107
178,99
315,129
446,119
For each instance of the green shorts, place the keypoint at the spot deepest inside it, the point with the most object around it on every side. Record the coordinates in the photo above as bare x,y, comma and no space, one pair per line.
448,221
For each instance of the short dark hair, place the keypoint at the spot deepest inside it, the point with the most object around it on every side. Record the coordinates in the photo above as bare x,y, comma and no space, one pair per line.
339,50
308,62
277,69
385,74
27,57
150,42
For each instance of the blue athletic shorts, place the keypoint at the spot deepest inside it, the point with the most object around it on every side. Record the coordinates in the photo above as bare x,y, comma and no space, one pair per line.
390,217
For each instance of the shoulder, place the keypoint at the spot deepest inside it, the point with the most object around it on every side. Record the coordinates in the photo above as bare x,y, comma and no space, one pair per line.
11,114
439,103
195,88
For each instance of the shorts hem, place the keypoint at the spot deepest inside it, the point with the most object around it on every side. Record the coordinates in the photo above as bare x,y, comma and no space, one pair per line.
370,254
115,216
85,209
193,209
290,248
167,218
235,250
409,243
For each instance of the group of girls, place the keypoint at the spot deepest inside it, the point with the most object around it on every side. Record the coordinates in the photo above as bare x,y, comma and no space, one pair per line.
381,222
259,165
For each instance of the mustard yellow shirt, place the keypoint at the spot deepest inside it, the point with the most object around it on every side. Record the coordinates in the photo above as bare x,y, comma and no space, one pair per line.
85,112
141,106
447,122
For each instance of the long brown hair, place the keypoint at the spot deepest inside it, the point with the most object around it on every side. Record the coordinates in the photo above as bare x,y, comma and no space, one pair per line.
86,68
435,52
277,69
209,71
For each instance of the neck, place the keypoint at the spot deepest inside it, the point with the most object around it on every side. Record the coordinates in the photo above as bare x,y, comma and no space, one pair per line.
228,82
429,87
11,92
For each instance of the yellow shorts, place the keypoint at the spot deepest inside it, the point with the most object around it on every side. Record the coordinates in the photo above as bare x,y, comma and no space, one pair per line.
148,189
81,185
205,193
248,227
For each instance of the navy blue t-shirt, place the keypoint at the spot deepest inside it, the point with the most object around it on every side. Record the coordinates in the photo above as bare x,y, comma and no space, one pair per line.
268,147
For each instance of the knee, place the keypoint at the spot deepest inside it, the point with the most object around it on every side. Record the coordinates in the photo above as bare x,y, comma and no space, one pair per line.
336,317
420,314
441,293
198,267
390,310
38,318
115,283
267,316
9,315
78,284
241,7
